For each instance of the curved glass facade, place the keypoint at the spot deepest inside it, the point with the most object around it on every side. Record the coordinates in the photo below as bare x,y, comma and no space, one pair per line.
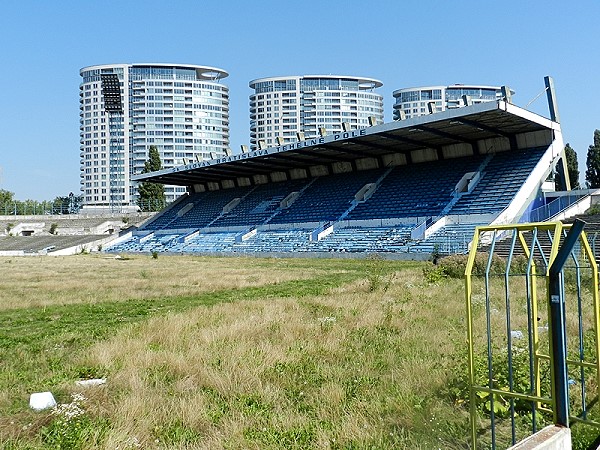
283,106
414,102
181,109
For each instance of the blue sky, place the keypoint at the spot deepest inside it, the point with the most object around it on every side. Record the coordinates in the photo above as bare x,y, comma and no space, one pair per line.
402,43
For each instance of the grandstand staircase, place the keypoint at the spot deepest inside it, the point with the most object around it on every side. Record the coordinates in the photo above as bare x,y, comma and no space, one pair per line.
156,217
457,195
300,192
432,226
355,202
223,214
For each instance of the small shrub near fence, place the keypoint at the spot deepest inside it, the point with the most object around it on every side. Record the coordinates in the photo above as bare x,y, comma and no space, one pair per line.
454,266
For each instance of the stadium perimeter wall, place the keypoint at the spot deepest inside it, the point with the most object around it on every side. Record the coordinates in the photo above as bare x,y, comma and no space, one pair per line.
413,256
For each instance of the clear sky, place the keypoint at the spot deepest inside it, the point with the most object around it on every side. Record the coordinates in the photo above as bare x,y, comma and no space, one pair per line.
400,42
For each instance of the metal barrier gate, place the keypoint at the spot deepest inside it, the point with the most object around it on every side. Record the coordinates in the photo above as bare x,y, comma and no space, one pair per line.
533,323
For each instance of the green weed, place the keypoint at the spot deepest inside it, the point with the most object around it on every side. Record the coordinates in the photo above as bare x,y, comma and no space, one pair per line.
72,428
176,433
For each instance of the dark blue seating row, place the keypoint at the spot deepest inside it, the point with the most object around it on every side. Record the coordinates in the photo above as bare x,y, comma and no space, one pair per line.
327,198
503,176
417,190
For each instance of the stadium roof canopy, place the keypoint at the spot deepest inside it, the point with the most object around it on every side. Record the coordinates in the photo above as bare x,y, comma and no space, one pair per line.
467,125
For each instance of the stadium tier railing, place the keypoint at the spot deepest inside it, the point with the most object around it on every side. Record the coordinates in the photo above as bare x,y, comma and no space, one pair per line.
551,209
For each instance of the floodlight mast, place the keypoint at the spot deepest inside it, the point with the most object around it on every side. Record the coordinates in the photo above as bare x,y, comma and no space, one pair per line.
111,93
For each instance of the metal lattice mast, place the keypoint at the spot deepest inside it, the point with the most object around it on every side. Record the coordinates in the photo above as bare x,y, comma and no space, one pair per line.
113,105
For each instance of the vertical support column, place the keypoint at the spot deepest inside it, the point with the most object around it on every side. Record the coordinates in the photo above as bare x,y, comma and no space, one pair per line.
551,94
556,307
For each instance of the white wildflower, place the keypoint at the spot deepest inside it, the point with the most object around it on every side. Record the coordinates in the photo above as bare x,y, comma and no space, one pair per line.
69,411
328,319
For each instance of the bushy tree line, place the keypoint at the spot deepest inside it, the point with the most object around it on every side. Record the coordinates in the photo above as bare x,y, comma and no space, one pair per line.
69,204
592,173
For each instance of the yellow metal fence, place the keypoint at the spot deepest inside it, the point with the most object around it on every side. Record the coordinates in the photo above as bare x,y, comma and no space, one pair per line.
509,331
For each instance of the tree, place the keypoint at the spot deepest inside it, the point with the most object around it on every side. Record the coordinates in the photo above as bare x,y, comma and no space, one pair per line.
572,167
592,174
151,195
70,204
7,202
6,197
60,205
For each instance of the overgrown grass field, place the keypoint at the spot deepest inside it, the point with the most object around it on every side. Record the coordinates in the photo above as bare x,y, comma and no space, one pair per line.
232,353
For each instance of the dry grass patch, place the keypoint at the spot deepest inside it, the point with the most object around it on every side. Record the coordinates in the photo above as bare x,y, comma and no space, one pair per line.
358,368
93,279
306,354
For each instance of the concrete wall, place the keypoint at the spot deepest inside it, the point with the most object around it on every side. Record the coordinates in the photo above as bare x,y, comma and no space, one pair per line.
549,438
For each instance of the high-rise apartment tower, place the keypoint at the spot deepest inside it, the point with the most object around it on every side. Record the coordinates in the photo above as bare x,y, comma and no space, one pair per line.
283,107
182,109
418,101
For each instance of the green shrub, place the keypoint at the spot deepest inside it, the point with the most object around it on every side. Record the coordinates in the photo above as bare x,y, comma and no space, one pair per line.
433,274
53,228
454,266
594,209
458,387
375,267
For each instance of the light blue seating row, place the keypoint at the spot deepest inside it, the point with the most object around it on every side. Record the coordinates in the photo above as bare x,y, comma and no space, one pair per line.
451,239
343,240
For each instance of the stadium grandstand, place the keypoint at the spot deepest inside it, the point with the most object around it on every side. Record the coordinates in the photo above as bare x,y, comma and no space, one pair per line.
410,188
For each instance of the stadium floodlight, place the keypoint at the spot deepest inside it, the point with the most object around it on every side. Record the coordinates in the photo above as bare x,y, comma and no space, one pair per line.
467,100
345,126
322,131
506,94
262,144
279,140
431,107
111,92
372,121
244,148
300,135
